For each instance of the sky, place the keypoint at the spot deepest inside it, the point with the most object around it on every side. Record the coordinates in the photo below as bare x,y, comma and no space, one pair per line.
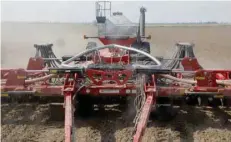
84,11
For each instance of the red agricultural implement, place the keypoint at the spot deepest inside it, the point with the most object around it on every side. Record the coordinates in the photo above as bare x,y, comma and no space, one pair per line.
110,74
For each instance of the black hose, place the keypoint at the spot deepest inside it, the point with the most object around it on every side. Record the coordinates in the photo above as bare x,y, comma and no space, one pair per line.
45,51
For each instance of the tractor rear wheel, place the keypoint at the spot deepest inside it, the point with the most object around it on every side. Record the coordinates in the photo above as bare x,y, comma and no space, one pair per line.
164,113
84,106
144,46
57,111
91,45
129,109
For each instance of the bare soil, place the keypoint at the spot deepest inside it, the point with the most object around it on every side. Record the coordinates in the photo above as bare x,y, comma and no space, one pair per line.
31,123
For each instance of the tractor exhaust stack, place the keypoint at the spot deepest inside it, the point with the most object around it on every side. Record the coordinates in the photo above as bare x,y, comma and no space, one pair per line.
142,21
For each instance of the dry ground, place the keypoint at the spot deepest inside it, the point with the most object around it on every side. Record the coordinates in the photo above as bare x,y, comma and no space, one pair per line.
30,122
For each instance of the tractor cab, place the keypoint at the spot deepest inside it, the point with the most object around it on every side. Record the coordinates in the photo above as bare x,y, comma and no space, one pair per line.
114,28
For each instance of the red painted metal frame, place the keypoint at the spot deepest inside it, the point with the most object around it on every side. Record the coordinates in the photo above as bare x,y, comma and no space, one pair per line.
207,78
190,64
150,91
108,56
35,63
124,42
16,81
122,90
108,75
68,117
124,59
69,91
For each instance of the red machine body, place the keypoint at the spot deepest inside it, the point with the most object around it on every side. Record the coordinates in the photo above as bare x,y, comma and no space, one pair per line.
20,82
125,41
114,71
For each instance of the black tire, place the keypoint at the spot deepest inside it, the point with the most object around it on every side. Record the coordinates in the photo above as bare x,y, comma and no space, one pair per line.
136,46
57,112
191,100
164,113
91,45
129,110
144,46
84,106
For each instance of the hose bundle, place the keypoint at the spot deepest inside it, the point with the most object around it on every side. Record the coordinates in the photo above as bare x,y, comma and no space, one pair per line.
182,50
45,51
140,97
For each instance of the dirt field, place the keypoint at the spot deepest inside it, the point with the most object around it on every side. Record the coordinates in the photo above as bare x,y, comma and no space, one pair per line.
30,122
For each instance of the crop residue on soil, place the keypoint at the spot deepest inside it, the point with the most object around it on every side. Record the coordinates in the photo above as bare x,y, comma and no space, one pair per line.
30,122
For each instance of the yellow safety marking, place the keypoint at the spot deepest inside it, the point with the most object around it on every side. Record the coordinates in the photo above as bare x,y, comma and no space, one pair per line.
182,91
200,78
53,71
4,95
219,96
38,92
21,77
